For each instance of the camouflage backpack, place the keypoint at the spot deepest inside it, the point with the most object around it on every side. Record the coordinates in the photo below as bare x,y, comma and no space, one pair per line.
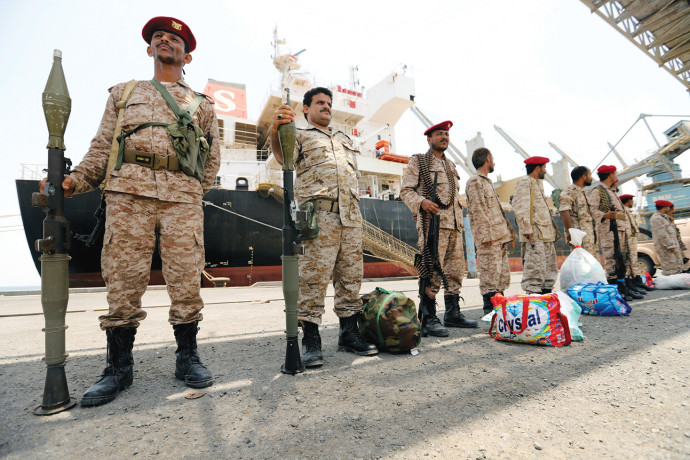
389,320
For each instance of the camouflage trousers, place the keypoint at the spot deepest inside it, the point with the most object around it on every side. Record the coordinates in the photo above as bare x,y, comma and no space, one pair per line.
493,267
539,266
337,250
607,250
131,226
671,261
451,257
633,257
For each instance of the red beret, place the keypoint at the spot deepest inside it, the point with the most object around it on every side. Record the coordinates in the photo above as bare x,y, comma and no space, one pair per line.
625,197
443,125
536,161
172,25
607,169
663,203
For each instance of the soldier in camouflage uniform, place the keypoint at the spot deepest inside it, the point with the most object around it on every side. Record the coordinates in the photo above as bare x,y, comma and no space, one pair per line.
421,170
326,169
633,225
574,209
490,227
683,248
665,239
145,202
538,232
605,206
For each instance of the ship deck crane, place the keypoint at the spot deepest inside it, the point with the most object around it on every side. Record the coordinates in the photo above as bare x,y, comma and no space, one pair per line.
548,178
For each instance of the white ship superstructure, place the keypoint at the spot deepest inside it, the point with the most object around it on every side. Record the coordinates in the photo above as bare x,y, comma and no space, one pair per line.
367,116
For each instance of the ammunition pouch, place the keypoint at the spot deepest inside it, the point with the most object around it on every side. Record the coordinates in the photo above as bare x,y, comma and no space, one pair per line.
309,228
191,147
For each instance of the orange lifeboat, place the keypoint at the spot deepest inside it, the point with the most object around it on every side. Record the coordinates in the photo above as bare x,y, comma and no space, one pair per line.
385,145
395,158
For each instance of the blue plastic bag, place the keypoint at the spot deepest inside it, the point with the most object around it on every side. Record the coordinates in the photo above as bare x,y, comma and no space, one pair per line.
599,299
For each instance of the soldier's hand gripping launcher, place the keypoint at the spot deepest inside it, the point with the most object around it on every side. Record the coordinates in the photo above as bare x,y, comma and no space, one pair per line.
292,247
55,243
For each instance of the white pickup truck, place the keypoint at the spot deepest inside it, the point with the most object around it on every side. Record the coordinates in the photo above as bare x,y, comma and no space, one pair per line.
646,254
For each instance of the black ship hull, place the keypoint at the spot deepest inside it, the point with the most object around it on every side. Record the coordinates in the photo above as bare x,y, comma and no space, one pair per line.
241,231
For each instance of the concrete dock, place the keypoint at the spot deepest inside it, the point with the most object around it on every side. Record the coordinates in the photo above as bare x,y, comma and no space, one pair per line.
621,393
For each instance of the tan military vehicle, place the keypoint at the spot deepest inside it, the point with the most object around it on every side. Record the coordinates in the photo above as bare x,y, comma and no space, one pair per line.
646,254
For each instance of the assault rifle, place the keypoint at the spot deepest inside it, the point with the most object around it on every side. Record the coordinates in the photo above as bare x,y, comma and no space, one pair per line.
431,250
619,257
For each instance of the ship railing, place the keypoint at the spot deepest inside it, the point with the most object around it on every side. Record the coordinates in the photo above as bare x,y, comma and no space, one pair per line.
32,171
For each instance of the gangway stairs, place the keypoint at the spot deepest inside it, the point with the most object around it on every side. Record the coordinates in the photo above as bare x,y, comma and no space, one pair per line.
375,241
387,247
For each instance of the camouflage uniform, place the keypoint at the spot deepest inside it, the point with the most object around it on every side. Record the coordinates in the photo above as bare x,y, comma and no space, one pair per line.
143,203
603,229
665,239
326,168
632,225
539,264
489,225
574,200
450,244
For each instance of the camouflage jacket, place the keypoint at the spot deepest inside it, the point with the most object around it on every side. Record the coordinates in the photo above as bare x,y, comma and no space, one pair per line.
487,218
574,200
631,222
412,189
144,105
663,231
597,205
532,211
326,167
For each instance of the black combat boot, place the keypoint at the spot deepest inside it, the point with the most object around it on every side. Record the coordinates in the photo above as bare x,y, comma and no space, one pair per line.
453,316
188,366
638,282
635,289
431,325
351,340
311,345
120,371
622,289
546,291
488,306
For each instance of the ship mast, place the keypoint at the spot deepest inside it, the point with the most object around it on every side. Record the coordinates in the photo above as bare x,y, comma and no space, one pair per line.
285,63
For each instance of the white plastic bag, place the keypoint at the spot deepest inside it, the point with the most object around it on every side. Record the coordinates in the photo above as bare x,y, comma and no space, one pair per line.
580,266
677,281
572,310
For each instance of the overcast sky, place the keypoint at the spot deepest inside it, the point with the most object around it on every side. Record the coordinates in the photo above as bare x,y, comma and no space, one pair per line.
543,70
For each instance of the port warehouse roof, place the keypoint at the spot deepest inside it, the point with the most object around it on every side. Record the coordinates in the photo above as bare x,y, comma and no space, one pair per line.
660,28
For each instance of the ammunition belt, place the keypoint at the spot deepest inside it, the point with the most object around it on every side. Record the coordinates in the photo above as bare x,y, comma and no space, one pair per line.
326,205
151,160
604,200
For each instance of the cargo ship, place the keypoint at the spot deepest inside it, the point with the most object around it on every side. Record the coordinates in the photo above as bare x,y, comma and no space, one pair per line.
243,210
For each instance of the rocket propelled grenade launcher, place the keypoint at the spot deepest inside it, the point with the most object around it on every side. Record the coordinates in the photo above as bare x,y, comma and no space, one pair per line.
55,243
292,247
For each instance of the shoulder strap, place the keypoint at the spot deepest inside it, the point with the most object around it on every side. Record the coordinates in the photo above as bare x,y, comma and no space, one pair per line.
184,116
114,147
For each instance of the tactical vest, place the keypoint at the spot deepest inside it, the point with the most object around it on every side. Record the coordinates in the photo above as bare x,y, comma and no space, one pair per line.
188,139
